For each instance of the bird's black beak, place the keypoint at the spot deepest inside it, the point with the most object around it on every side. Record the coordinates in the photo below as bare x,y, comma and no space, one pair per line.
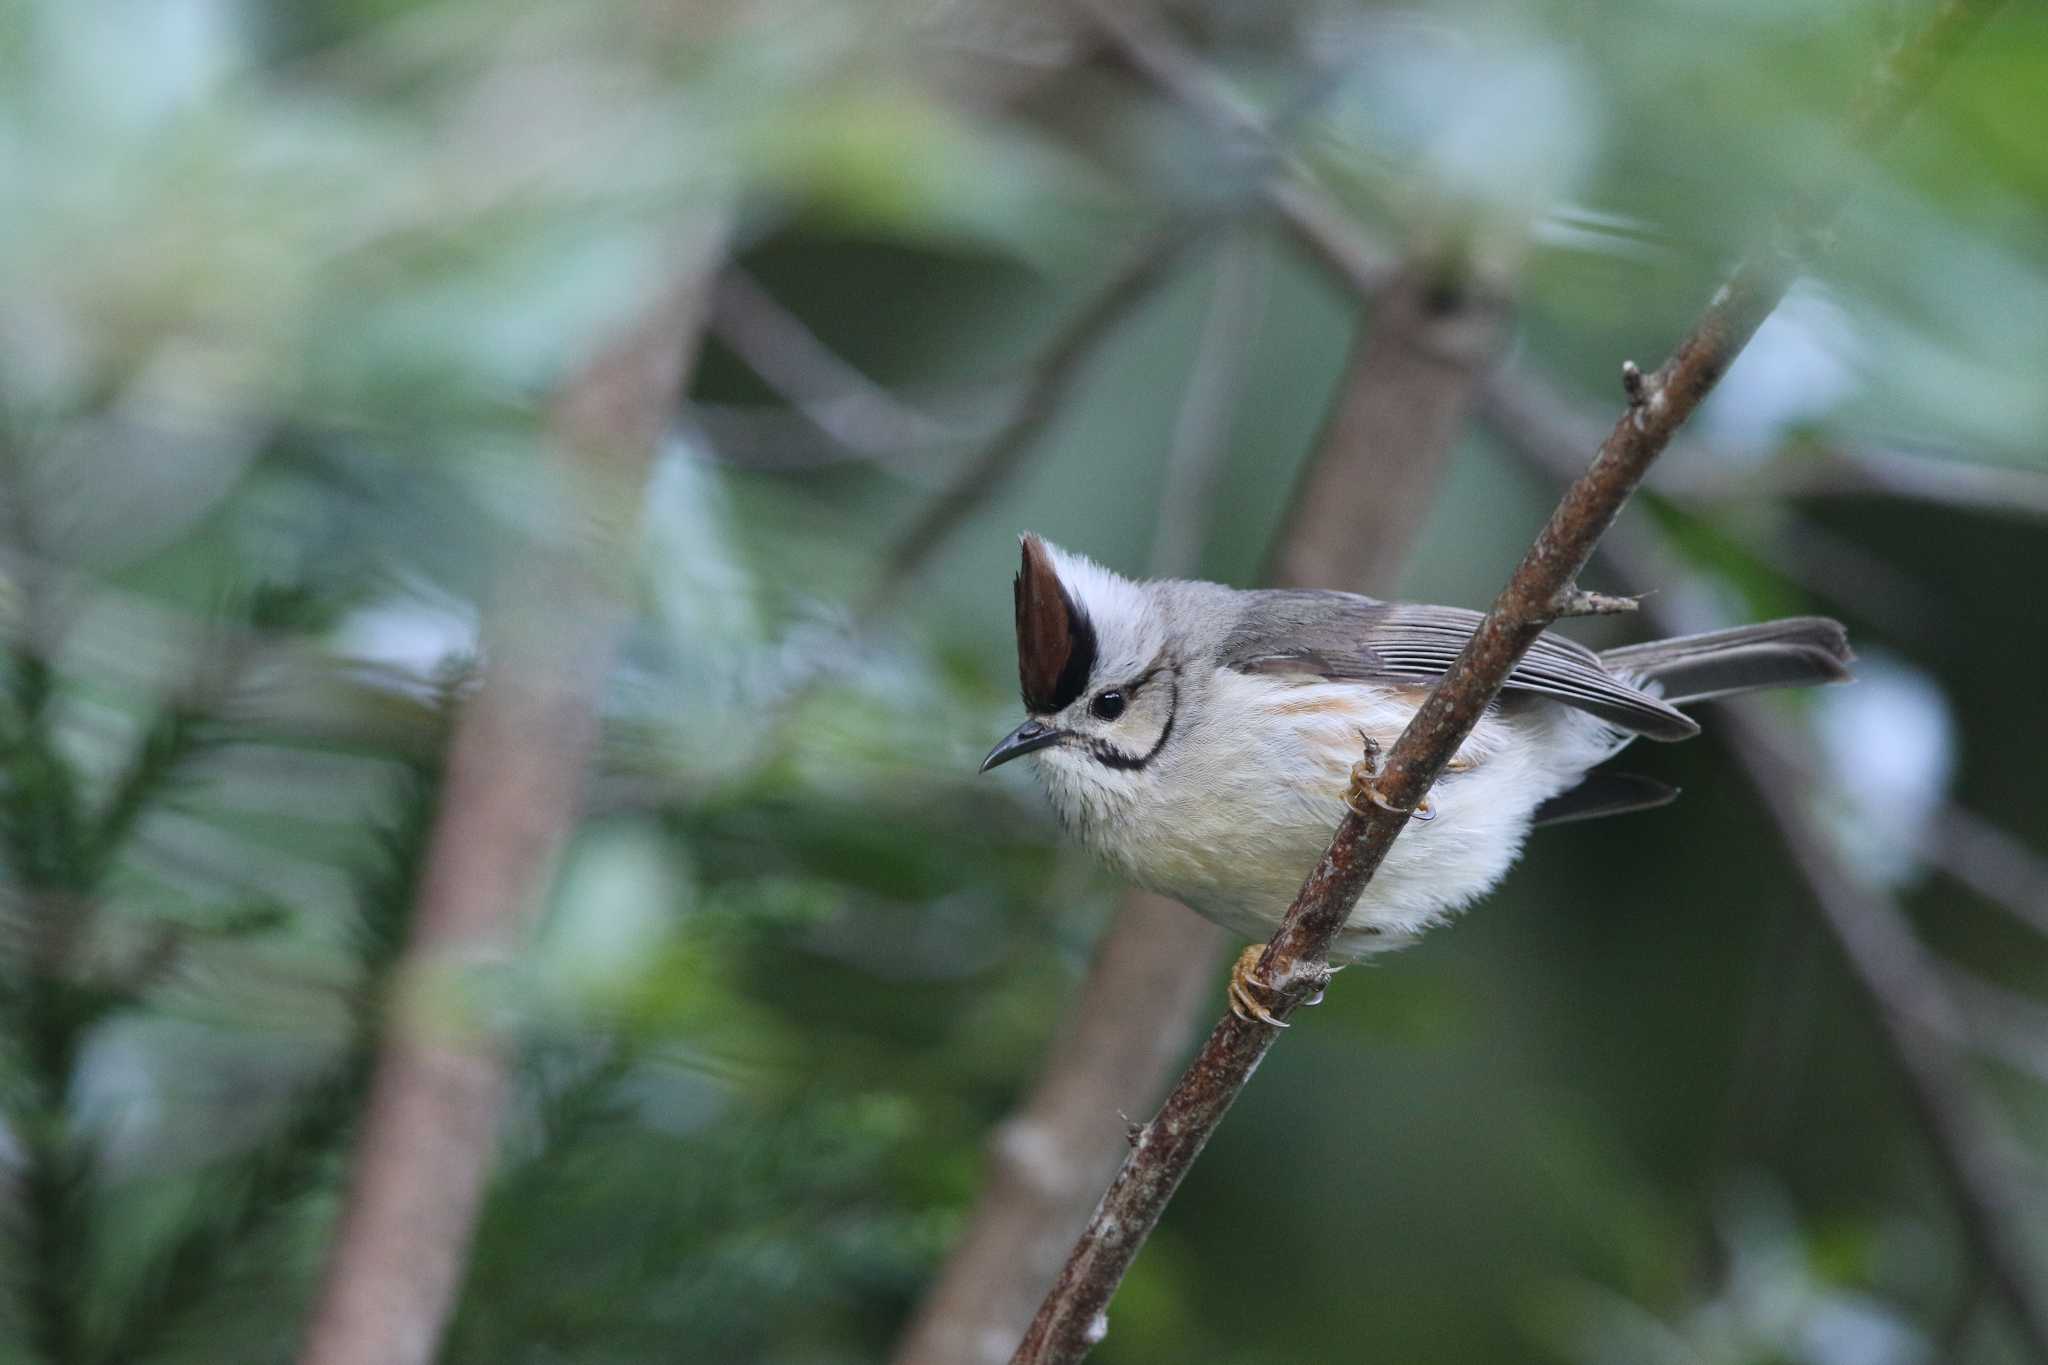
1032,734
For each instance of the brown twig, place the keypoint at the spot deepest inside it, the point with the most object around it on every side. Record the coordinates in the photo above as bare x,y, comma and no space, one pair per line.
1844,469
514,775
1293,965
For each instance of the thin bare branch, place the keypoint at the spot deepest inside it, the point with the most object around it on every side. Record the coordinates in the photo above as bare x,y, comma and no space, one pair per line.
1061,365
1835,469
2003,1022
780,440
1143,44
838,399
514,776
1991,863
1294,963
1315,222
1919,1020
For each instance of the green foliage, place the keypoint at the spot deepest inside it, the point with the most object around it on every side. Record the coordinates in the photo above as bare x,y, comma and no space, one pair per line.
64,854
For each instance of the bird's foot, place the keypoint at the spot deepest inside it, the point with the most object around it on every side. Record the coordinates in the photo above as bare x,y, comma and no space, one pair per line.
1250,997
1253,997
1361,789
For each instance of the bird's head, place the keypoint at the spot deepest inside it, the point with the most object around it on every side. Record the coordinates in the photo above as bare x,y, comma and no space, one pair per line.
1101,684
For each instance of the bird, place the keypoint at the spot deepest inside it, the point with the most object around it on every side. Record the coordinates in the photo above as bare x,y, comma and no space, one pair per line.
1201,739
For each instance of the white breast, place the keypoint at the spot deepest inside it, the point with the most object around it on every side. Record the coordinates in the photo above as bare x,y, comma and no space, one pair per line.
1241,817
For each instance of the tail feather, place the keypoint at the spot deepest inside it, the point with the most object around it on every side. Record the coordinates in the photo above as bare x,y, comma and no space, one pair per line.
1795,652
1605,793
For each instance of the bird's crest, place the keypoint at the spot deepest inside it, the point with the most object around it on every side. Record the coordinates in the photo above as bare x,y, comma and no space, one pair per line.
1055,639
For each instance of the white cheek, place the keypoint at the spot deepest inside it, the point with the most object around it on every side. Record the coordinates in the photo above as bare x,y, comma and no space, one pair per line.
1093,803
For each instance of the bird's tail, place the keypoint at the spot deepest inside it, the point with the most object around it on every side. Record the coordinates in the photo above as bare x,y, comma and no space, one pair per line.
1796,652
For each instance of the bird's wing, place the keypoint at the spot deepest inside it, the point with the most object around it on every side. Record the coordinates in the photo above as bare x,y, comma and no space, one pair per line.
1344,637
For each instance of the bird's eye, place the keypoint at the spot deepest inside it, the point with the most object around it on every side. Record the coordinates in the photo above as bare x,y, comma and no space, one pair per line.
1107,705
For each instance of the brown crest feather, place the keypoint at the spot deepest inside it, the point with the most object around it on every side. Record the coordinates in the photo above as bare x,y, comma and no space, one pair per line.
1055,639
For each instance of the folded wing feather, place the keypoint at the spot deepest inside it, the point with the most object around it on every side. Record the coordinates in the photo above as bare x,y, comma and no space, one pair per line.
1342,636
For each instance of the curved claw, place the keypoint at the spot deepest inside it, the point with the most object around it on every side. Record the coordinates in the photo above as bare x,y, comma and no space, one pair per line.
1248,995
1367,768
1424,812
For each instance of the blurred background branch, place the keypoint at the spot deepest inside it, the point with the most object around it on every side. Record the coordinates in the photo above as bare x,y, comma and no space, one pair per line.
1054,374
515,774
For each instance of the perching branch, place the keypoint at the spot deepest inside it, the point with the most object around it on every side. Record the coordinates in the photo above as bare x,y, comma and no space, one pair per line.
1294,963
514,775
